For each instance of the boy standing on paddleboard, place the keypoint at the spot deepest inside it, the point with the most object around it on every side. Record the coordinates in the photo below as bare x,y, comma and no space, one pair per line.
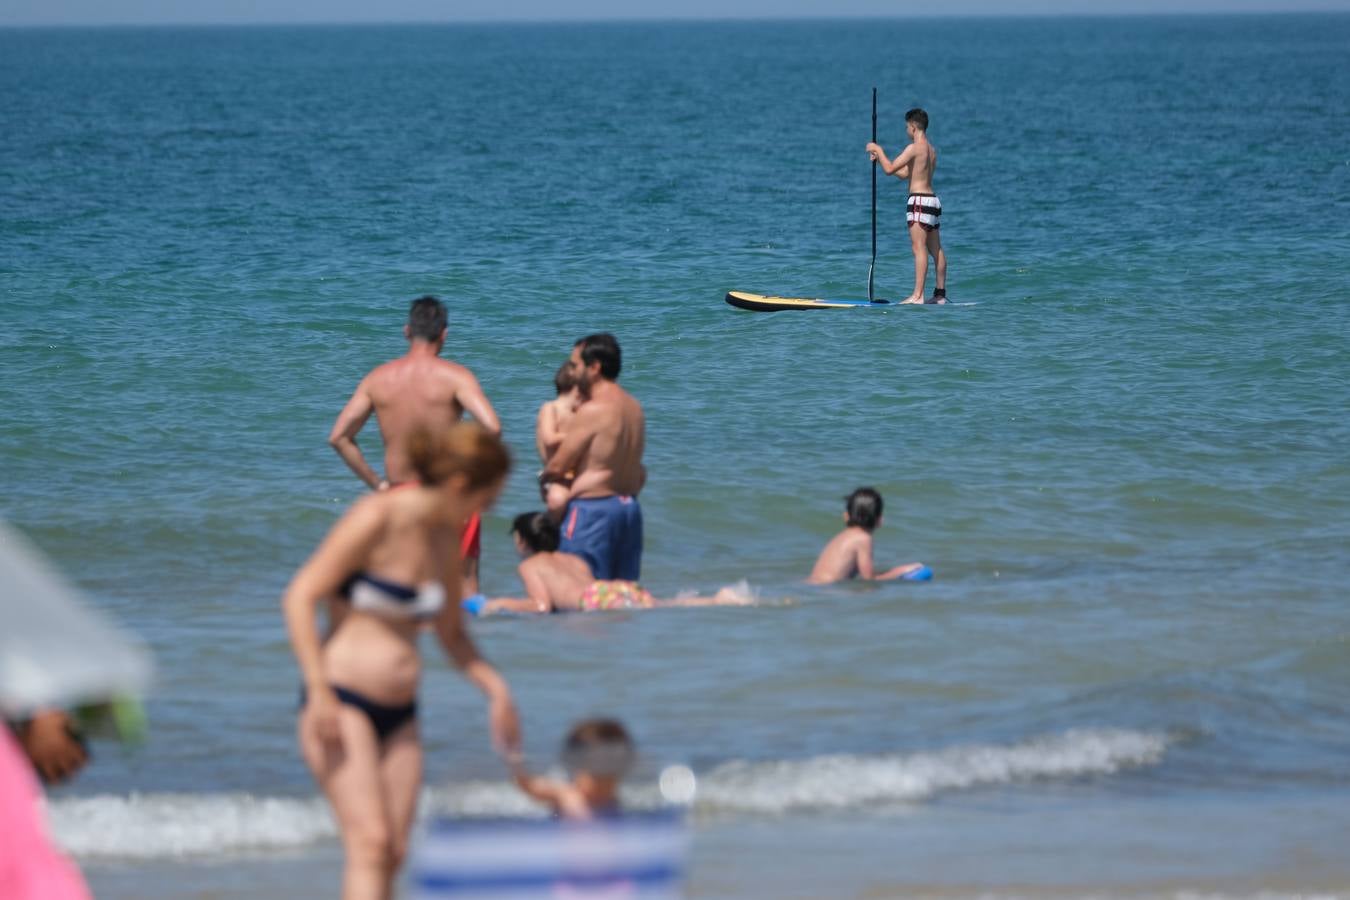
923,210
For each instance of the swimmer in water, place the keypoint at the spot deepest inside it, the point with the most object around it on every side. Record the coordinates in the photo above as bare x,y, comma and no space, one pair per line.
849,553
563,582
597,754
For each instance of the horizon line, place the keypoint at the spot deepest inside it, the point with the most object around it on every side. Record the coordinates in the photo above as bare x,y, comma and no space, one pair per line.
676,19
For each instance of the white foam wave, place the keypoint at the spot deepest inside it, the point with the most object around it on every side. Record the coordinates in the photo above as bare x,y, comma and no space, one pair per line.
149,826
742,590
838,782
157,826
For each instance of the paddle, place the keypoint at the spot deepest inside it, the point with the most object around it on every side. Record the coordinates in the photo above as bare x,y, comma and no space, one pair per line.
873,264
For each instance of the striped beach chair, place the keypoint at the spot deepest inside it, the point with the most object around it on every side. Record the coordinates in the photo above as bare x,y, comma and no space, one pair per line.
639,856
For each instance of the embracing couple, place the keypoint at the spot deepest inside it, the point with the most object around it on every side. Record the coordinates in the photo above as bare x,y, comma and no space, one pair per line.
599,463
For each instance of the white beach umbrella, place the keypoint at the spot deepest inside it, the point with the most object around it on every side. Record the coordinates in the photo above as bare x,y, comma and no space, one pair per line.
55,649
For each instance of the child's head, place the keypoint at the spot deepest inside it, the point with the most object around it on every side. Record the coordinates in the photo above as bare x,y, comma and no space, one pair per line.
536,533
599,749
564,379
916,120
863,508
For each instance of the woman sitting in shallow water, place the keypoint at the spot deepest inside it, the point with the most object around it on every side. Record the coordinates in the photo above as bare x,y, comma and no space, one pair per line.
562,582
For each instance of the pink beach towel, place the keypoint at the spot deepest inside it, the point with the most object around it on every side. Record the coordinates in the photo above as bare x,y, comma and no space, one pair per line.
30,867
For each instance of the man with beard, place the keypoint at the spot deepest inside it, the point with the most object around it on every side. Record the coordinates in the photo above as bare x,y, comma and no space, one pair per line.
601,453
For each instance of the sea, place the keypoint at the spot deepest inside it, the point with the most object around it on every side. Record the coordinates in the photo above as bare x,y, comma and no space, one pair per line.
1122,450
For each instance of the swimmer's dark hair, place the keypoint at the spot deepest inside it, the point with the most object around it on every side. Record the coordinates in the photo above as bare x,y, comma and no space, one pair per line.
864,508
426,318
604,349
465,448
599,747
564,380
918,117
538,531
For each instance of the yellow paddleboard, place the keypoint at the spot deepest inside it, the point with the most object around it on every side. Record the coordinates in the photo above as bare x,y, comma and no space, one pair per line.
766,303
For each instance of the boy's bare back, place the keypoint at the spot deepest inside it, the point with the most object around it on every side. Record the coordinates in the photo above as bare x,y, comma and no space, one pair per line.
843,557
922,162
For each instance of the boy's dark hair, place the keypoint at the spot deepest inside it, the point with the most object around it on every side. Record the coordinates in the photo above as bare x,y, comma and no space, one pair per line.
918,117
864,508
538,531
563,379
426,318
599,747
604,349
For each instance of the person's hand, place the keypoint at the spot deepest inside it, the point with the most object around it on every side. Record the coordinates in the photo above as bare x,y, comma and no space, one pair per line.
504,726
873,149
51,745
321,711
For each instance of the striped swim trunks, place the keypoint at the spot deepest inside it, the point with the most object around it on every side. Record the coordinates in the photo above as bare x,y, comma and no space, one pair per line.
925,209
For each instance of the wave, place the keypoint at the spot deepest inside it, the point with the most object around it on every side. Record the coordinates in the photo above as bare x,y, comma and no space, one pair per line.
157,826
844,782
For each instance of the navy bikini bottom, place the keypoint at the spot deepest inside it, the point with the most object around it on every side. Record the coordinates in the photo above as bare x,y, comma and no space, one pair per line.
384,719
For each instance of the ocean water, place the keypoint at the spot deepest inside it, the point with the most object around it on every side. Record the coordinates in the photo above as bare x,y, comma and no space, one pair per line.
1126,462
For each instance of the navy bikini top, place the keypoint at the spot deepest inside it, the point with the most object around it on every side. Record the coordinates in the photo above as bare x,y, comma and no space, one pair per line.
371,594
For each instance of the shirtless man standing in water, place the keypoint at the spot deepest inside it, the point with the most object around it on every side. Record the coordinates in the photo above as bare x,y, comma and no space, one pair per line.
419,389
923,210
602,452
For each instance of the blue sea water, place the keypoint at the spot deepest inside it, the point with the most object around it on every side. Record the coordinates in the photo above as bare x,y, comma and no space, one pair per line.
1126,462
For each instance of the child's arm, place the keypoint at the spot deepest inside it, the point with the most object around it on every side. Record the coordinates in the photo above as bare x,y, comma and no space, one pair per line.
899,571
564,799
862,559
867,567
899,167
510,605
536,787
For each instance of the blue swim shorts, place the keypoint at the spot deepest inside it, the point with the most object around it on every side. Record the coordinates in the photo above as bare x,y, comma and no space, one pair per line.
607,533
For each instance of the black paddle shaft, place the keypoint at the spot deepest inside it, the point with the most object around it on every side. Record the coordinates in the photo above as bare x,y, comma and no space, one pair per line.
871,267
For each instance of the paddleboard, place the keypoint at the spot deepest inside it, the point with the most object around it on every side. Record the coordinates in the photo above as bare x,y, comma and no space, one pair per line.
765,303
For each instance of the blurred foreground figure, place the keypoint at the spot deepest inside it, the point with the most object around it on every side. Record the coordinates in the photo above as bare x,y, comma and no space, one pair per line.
30,867
633,856
55,653
53,745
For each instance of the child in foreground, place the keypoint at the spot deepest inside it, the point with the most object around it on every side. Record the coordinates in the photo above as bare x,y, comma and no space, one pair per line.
563,582
849,553
597,754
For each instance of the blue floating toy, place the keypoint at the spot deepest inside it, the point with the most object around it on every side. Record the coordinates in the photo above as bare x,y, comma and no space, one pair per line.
474,604
922,573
